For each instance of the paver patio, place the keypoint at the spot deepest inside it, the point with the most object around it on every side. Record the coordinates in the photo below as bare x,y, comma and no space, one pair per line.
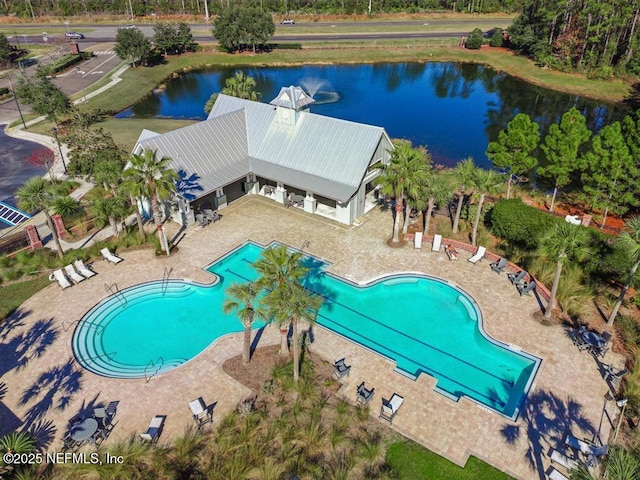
44,387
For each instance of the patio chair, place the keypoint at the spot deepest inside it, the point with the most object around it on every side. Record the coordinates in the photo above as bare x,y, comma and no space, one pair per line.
83,269
202,220
72,274
364,395
211,215
578,338
390,407
586,447
58,276
69,443
526,288
154,429
517,278
613,377
201,413
451,252
340,369
478,255
110,257
499,266
417,240
111,410
554,474
437,242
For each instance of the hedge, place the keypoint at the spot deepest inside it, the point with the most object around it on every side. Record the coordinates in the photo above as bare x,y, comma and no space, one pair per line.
519,224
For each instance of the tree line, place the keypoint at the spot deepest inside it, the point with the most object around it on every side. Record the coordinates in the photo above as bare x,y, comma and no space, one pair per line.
138,8
596,36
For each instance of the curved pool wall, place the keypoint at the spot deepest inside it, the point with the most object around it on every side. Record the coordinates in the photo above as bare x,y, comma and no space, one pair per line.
438,331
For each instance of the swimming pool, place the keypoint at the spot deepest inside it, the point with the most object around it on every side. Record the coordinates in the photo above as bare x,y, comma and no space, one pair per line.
422,323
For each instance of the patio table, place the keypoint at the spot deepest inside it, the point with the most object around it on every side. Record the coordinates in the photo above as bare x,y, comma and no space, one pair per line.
594,339
84,429
297,199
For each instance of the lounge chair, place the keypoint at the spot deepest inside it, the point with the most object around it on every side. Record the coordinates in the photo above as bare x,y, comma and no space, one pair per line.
72,274
517,278
363,394
340,369
478,255
211,215
554,474
154,429
417,240
83,269
614,377
58,276
390,407
561,459
499,266
201,413
585,447
110,256
437,241
578,338
526,288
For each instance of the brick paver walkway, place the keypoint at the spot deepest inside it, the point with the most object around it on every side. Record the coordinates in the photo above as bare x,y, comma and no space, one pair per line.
44,387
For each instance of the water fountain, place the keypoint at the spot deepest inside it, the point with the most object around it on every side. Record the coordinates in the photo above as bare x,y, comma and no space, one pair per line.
313,87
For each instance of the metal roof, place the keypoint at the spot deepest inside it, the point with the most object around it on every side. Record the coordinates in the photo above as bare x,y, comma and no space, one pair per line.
320,154
292,97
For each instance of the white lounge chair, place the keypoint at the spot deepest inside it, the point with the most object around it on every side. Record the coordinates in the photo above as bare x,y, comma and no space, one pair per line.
478,255
585,447
72,274
201,413
110,256
417,240
437,241
556,475
561,459
83,269
390,407
58,276
154,430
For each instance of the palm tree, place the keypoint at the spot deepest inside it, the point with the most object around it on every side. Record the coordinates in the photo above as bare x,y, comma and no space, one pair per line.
561,243
38,194
464,173
157,182
107,209
240,85
242,298
400,178
434,191
289,303
279,267
485,182
630,241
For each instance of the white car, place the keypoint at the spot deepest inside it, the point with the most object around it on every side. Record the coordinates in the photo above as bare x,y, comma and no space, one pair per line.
288,21
130,27
74,35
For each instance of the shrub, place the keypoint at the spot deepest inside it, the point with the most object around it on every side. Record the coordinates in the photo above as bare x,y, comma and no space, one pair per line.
629,330
519,224
496,38
474,40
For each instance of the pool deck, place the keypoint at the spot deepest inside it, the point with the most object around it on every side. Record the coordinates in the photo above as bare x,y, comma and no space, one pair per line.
44,387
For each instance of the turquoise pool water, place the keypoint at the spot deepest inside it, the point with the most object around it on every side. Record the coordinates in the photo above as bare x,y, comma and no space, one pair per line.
423,324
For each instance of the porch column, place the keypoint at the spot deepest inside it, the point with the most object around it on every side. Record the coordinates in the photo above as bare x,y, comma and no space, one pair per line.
310,203
281,193
221,199
343,212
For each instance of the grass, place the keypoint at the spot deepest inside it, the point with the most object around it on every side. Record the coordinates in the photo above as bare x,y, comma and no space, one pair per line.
12,296
410,461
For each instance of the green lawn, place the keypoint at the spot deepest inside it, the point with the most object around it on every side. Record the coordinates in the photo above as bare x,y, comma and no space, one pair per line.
12,296
410,461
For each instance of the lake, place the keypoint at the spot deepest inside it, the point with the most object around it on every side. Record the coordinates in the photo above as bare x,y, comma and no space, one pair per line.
455,109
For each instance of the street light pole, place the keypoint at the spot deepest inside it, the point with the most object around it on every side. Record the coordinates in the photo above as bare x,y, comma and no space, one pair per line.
17,104
55,134
622,404
84,97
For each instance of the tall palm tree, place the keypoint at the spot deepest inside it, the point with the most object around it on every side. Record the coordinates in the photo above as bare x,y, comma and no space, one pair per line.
241,85
278,267
561,243
463,173
630,241
435,190
289,303
38,194
107,208
485,182
135,191
400,179
158,182
242,298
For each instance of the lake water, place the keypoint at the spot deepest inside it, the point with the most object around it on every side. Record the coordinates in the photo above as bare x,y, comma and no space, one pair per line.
455,109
